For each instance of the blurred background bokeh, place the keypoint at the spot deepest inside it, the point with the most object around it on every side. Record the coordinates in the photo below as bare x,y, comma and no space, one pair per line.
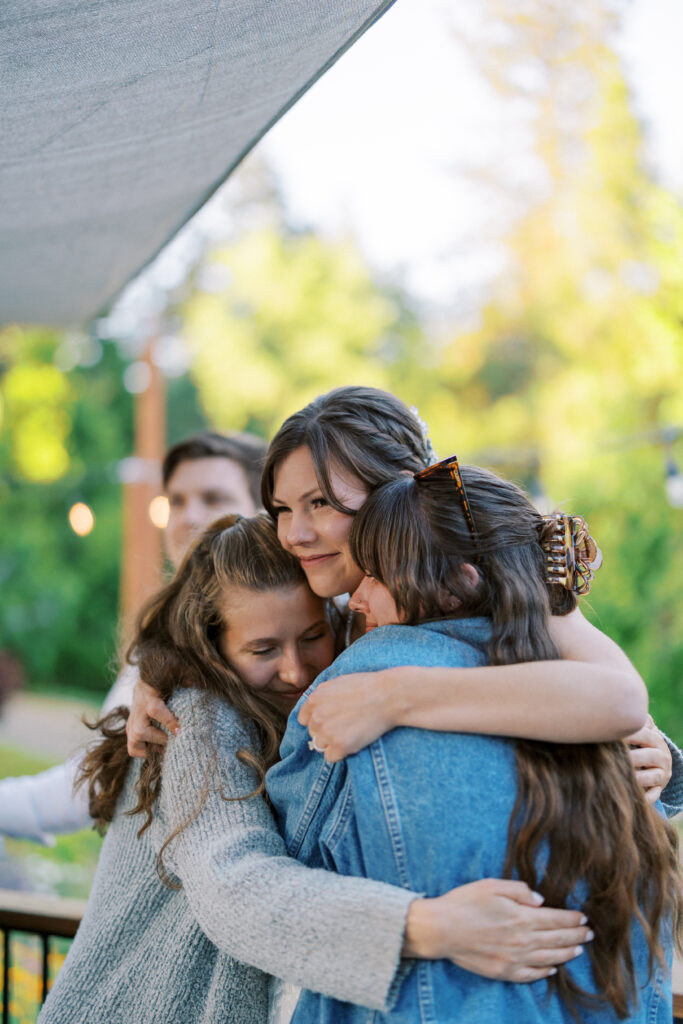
480,211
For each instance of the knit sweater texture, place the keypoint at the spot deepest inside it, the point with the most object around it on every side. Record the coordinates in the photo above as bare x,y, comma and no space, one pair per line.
672,795
152,954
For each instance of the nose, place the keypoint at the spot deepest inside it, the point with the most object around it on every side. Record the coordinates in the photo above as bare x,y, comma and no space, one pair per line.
191,515
292,669
358,600
298,530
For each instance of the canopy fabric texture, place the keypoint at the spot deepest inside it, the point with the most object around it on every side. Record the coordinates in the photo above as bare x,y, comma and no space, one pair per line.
121,117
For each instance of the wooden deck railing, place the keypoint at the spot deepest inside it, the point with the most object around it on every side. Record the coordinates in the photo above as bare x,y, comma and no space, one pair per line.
44,916
48,916
678,990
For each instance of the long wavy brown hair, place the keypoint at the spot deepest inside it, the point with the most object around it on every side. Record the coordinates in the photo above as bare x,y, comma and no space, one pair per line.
579,811
177,644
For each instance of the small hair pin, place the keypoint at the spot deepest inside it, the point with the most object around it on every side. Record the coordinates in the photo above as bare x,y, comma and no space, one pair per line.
431,456
572,556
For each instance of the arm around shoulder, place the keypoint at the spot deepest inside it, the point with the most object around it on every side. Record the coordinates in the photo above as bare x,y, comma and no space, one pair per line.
592,695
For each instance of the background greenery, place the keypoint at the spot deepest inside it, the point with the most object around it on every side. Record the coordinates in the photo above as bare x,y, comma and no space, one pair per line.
565,382
65,869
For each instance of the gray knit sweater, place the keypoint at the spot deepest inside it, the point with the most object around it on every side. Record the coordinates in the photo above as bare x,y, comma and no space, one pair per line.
672,796
147,953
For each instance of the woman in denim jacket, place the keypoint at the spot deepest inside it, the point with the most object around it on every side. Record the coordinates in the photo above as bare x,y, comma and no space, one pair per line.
429,811
320,468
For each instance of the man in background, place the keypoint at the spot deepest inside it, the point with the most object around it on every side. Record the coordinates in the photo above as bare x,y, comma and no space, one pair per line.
204,477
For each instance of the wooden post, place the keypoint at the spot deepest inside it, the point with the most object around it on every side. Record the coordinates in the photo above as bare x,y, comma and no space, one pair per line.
142,556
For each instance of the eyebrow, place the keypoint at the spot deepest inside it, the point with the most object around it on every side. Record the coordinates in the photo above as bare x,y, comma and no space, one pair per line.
302,497
223,492
275,640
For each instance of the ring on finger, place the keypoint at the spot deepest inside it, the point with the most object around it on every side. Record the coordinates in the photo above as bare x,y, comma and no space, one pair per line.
312,745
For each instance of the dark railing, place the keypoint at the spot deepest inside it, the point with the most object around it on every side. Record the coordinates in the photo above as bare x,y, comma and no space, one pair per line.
44,916
49,916
678,990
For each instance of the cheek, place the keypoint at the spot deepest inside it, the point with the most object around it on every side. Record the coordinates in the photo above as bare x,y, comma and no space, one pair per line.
340,531
281,527
254,675
172,524
324,655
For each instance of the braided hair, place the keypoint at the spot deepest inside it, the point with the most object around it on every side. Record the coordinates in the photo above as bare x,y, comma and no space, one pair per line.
367,432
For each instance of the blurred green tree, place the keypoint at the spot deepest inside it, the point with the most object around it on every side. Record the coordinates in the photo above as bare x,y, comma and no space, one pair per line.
61,437
577,364
296,317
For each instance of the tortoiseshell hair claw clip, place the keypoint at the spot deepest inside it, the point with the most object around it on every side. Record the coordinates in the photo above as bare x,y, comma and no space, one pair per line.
572,556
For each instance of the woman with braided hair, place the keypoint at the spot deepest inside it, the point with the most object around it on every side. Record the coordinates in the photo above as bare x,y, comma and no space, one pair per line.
461,570
321,466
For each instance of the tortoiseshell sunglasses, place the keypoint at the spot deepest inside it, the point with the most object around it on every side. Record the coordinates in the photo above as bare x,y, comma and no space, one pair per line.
451,464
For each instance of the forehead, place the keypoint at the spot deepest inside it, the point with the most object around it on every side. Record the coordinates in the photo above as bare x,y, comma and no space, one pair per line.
296,475
252,613
211,473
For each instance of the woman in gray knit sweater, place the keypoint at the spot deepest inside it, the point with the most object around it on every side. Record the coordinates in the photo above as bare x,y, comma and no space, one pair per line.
233,641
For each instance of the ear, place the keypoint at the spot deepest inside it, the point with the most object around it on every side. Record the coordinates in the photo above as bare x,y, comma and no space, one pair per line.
451,602
471,573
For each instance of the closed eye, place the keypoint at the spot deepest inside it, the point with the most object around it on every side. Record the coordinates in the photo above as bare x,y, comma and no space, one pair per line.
315,636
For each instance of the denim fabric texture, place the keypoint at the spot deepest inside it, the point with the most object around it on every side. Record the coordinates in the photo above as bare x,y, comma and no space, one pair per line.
427,811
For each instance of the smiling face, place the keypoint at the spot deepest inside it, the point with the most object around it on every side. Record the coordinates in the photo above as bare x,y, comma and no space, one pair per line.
313,531
199,492
278,640
375,602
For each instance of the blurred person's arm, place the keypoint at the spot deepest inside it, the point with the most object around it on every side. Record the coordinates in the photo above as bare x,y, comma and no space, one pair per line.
39,807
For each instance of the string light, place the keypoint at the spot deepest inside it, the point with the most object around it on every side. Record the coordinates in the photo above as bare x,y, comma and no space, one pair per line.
81,519
159,511
674,483
673,478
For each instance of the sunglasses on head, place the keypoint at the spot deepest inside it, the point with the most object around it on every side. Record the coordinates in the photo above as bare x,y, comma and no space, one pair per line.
450,465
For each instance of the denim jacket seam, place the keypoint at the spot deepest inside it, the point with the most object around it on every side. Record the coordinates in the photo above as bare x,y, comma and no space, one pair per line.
425,993
391,814
309,809
341,820
656,996
393,821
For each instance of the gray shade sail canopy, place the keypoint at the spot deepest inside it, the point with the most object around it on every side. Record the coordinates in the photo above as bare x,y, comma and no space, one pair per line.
119,118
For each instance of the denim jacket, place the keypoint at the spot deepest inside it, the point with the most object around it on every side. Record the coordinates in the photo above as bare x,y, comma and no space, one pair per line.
427,811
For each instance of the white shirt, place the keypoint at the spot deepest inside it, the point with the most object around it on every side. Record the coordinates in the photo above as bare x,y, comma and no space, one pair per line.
38,807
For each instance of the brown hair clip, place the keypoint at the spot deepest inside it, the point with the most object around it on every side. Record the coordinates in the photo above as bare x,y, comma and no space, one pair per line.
572,554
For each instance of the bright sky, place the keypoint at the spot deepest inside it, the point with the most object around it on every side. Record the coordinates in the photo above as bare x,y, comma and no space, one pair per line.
377,147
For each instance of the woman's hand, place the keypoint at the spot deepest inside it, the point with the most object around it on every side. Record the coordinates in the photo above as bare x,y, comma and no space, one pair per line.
495,928
651,759
146,708
349,713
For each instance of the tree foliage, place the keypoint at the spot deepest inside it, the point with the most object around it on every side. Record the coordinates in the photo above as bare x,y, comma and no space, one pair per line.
577,365
298,317
565,383
62,436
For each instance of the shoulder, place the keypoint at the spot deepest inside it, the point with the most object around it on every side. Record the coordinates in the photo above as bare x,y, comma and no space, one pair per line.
191,703
207,718
428,645
204,755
